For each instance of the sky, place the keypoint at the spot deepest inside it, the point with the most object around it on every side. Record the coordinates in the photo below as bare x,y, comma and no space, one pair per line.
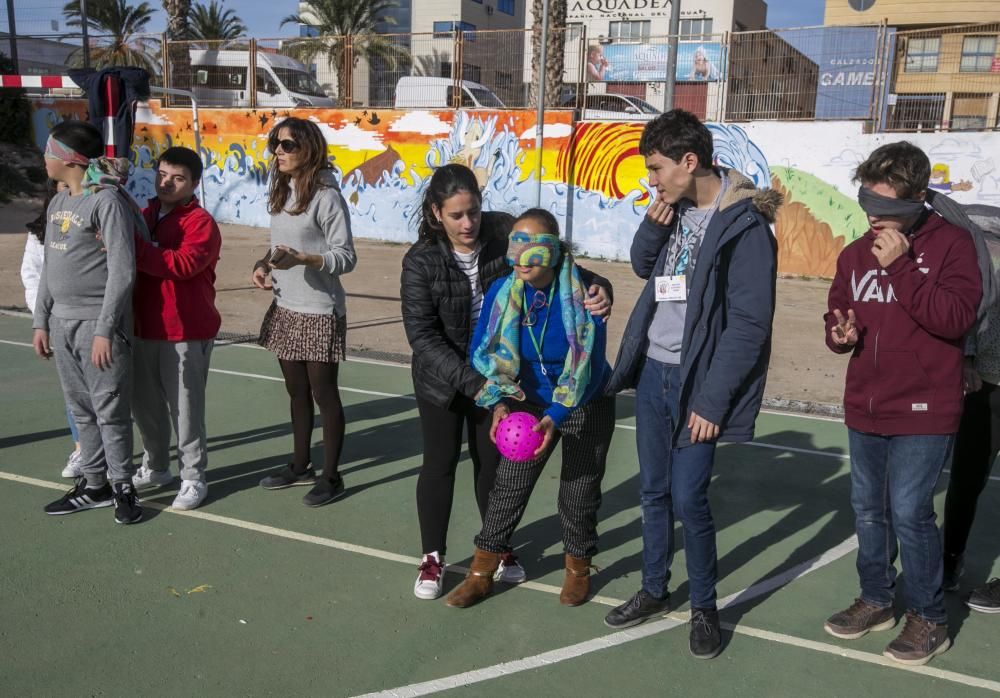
263,18
794,13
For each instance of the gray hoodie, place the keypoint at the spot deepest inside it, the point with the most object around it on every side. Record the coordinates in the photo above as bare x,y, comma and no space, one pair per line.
89,263
324,228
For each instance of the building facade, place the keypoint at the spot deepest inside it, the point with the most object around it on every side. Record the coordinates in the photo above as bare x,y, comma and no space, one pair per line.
479,40
945,71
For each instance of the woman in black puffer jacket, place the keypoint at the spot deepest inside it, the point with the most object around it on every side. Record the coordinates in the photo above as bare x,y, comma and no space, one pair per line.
461,251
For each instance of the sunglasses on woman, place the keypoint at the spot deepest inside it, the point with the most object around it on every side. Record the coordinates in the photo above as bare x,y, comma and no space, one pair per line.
287,145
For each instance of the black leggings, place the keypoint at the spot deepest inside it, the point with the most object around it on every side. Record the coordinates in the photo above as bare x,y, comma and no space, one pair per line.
442,432
976,448
307,381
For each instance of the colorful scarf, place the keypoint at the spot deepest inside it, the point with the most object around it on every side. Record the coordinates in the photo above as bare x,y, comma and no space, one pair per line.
498,355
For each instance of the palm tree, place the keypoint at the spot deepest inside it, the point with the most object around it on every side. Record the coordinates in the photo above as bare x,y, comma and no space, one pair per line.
213,23
116,28
178,33
335,20
555,50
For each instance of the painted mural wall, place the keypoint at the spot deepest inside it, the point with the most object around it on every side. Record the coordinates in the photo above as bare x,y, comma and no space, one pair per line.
593,177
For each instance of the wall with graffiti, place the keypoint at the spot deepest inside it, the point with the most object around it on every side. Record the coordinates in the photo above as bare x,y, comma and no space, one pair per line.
592,176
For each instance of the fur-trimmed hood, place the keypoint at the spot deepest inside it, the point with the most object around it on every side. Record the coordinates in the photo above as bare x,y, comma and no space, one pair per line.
766,201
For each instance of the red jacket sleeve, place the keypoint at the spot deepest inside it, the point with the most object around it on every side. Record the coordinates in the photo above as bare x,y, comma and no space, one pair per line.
945,306
200,246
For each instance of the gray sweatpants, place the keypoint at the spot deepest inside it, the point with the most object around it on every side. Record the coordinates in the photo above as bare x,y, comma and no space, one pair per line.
99,400
170,380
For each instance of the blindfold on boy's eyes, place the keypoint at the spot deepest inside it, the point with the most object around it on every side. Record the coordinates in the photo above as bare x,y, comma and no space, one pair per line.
57,150
880,206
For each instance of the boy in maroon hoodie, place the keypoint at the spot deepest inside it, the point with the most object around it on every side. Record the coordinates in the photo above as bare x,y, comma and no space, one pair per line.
903,297
175,326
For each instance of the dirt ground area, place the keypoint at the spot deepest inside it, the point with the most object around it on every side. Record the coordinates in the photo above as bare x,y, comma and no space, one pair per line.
804,375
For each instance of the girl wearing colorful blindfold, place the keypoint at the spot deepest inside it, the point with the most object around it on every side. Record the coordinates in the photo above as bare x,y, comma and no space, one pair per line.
460,253
542,352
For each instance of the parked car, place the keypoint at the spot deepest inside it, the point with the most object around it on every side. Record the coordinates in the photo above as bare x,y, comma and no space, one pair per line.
415,91
221,79
614,107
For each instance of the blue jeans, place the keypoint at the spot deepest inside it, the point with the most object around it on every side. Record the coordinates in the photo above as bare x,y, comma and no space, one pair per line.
673,483
72,426
892,493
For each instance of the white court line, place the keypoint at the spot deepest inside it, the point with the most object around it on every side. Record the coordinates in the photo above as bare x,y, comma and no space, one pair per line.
867,657
671,621
579,649
278,379
535,662
628,427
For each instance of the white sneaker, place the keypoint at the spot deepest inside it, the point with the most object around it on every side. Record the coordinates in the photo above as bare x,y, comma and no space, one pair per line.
146,477
73,464
193,493
510,570
430,581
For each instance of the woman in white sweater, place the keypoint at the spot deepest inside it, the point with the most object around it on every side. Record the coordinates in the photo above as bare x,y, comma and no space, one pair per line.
31,272
306,325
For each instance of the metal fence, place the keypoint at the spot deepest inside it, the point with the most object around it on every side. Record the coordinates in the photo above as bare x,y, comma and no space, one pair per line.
946,79
933,79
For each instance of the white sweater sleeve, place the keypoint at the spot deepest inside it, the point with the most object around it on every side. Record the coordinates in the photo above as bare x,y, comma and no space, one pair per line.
31,270
335,221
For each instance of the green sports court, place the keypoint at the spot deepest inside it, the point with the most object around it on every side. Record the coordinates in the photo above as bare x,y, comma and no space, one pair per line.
254,594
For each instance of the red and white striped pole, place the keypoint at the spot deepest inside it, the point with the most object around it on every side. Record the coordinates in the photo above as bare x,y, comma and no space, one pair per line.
111,102
46,81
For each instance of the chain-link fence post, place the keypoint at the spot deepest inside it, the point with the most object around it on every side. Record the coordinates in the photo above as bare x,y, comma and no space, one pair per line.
252,74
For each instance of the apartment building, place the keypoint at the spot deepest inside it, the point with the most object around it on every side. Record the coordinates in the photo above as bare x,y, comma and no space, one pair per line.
946,61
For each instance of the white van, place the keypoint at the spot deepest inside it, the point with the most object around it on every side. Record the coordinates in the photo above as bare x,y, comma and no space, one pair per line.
221,80
421,91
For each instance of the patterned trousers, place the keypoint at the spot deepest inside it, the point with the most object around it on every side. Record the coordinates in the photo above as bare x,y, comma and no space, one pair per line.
585,437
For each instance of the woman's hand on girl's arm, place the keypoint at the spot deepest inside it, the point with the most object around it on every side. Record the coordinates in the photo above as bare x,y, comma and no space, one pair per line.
597,302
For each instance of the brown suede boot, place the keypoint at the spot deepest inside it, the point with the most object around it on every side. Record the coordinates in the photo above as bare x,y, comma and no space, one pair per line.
478,583
576,585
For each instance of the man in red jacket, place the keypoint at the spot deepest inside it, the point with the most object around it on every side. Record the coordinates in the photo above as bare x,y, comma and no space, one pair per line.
903,297
175,326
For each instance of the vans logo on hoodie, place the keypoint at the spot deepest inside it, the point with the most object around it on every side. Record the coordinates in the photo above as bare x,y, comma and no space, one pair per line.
869,290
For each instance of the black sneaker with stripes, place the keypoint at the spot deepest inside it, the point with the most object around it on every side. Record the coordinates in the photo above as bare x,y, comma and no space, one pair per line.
81,497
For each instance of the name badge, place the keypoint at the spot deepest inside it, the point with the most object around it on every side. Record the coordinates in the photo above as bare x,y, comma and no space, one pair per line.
671,288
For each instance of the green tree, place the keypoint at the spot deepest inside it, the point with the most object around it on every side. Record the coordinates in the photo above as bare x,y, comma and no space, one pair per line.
555,51
335,20
15,111
178,33
116,29
212,22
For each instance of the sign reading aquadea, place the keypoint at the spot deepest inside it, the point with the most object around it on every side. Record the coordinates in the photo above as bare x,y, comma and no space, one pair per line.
595,8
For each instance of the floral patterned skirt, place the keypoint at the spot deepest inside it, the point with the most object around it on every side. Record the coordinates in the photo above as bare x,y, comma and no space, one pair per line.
294,336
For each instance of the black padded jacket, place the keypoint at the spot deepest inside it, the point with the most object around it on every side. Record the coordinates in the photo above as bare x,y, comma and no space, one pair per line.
437,305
